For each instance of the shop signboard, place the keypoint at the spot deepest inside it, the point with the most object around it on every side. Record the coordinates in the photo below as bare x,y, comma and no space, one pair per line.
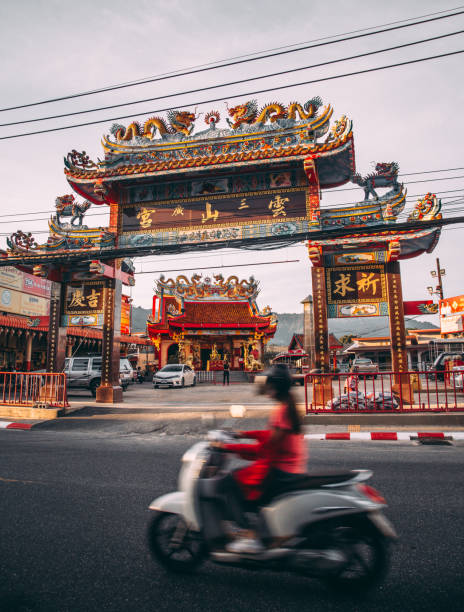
452,305
12,278
451,314
451,324
36,285
419,307
10,300
34,306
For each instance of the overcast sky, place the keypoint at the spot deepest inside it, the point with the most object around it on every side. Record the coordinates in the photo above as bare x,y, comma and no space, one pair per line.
412,114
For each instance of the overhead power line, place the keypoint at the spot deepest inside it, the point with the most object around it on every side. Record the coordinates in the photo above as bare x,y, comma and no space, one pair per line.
239,82
237,61
249,93
255,263
17,216
276,241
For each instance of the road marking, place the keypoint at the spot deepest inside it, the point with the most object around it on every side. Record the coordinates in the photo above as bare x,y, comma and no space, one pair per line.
20,481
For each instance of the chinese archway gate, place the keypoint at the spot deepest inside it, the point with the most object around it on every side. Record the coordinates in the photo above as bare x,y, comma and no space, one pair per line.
259,178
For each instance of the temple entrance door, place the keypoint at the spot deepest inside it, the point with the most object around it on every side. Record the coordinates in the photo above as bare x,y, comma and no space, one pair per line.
173,354
204,356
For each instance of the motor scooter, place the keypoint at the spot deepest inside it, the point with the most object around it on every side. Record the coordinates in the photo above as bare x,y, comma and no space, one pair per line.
328,525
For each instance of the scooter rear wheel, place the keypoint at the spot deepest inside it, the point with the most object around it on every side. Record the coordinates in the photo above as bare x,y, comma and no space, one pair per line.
366,551
173,544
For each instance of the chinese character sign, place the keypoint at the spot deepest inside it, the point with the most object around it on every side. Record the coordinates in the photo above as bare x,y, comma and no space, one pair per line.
84,298
355,284
213,211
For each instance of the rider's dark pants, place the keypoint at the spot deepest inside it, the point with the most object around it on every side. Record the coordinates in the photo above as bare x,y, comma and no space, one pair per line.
275,483
226,377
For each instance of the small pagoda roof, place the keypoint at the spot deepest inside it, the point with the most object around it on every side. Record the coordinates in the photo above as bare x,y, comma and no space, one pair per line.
203,303
219,315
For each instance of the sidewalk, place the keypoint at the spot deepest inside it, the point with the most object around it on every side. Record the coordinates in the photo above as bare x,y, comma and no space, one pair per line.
138,418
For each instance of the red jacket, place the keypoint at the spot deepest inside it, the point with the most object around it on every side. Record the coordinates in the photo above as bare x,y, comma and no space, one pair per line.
251,477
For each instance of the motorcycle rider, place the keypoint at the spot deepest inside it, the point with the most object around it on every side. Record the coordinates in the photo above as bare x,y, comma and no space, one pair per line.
279,454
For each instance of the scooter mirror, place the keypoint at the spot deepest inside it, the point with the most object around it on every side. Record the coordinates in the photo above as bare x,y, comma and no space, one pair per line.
237,411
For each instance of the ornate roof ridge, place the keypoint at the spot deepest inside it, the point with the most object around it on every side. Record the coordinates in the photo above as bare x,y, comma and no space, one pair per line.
300,139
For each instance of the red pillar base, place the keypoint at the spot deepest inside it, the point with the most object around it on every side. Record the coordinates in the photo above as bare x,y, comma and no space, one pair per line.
109,394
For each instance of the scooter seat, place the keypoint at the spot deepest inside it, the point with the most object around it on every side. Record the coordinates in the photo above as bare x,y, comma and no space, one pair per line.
313,481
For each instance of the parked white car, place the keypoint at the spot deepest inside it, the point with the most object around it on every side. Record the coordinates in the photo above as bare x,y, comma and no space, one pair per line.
175,375
458,378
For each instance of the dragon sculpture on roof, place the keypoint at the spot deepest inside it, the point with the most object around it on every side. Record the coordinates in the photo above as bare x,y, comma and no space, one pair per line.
385,175
247,113
427,209
195,287
180,122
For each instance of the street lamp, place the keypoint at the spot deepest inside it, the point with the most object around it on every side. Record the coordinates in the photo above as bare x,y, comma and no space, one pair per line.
438,273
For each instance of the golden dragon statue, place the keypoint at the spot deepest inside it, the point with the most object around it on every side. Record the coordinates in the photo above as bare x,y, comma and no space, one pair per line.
180,122
248,112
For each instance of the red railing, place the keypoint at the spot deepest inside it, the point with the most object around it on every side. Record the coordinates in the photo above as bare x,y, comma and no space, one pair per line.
424,391
31,389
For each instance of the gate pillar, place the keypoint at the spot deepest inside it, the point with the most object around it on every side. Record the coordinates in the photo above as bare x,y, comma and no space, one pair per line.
110,390
56,346
399,357
396,318
320,355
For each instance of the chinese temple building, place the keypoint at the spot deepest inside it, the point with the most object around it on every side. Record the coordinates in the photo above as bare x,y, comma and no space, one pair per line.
204,323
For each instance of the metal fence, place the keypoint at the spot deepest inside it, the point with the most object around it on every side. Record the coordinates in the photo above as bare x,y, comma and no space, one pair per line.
31,389
423,391
216,377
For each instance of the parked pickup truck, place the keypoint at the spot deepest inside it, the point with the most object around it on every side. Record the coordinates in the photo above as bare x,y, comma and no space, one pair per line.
365,366
85,373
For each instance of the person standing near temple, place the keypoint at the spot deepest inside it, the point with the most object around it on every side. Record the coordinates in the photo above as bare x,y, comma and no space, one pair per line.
226,370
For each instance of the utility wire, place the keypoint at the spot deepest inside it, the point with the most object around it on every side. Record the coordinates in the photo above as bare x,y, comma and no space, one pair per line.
239,61
239,82
143,80
409,198
252,93
255,263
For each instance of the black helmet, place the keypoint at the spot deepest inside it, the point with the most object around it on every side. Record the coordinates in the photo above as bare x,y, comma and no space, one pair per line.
279,378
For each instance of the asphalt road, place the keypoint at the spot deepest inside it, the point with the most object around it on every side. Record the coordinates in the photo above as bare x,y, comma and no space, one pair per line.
73,511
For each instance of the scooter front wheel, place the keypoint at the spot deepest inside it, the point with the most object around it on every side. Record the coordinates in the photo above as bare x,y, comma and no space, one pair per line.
173,544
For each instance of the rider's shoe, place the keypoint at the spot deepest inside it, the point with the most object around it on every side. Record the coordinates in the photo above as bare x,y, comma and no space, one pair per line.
249,546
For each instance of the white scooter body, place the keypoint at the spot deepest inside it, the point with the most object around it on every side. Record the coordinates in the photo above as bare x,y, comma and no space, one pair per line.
285,516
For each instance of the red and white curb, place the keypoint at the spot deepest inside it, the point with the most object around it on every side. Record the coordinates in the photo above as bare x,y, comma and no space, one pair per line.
11,425
385,435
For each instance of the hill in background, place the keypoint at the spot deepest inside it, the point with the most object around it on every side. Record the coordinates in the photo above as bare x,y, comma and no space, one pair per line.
292,323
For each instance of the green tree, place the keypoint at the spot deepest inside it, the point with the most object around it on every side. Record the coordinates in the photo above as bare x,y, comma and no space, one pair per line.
346,339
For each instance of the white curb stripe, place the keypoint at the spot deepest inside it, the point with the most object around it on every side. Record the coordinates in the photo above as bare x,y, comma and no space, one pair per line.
367,435
360,435
4,424
456,435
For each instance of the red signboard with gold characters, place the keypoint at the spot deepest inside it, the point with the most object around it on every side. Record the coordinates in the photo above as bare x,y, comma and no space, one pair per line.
84,298
216,211
355,284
